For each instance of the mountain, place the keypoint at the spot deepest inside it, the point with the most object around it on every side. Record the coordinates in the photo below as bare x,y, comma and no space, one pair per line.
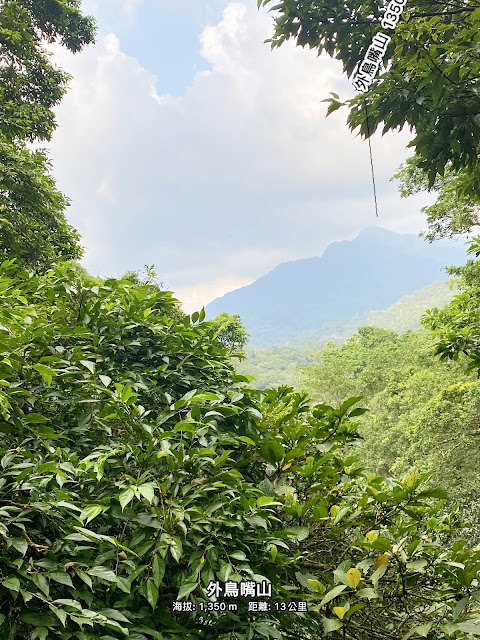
274,366
403,315
349,279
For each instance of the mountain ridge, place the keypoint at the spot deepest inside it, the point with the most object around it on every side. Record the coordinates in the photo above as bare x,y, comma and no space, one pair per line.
351,277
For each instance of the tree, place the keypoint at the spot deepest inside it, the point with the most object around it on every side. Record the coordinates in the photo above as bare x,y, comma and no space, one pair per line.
429,82
32,221
230,331
422,412
357,368
149,278
137,467
456,326
455,211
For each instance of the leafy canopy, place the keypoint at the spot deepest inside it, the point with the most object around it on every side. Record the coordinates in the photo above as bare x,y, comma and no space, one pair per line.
429,82
137,465
33,227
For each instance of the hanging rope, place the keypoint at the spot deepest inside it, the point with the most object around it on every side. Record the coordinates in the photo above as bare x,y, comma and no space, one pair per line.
371,160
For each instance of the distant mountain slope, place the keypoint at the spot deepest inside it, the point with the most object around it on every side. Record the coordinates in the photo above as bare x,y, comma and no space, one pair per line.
273,366
351,277
403,315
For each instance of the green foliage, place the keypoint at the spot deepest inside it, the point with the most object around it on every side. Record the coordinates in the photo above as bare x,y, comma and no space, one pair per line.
149,278
274,366
230,331
429,83
30,86
136,466
360,367
455,211
456,326
33,227
421,412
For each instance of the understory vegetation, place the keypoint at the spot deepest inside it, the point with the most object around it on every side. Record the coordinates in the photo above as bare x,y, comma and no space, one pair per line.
137,466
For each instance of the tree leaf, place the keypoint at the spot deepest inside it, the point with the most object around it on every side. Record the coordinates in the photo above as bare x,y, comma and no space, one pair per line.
148,491
316,585
105,380
89,365
91,512
333,593
331,624
176,548
13,584
61,577
104,573
126,497
152,593
353,577
186,588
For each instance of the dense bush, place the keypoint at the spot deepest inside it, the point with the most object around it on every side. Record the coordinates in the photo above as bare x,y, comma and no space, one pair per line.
137,466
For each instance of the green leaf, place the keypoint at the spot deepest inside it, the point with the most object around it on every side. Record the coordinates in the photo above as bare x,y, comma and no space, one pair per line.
186,588
469,627
85,577
104,573
13,584
158,569
20,544
176,549
301,533
257,521
147,490
40,580
91,512
126,497
151,593
60,613
317,586
333,593
46,372
35,418
354,609
331,624
222,458
263,501
105,380
126,393
89,365
61,577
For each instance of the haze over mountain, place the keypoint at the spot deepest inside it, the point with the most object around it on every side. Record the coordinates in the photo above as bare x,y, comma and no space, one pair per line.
368,273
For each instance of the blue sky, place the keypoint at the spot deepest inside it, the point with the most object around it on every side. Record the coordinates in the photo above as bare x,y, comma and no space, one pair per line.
162,35
185,142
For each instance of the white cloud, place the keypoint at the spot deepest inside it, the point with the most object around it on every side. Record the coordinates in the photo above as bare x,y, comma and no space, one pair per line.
218,186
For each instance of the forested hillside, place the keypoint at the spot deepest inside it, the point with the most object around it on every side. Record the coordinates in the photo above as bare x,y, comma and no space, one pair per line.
279,365
422,412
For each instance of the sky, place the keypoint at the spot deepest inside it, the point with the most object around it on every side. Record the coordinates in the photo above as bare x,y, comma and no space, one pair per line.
186,143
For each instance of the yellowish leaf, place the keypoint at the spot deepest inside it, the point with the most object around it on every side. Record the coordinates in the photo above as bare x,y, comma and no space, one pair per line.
353,577
340,612
383,559
335,510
